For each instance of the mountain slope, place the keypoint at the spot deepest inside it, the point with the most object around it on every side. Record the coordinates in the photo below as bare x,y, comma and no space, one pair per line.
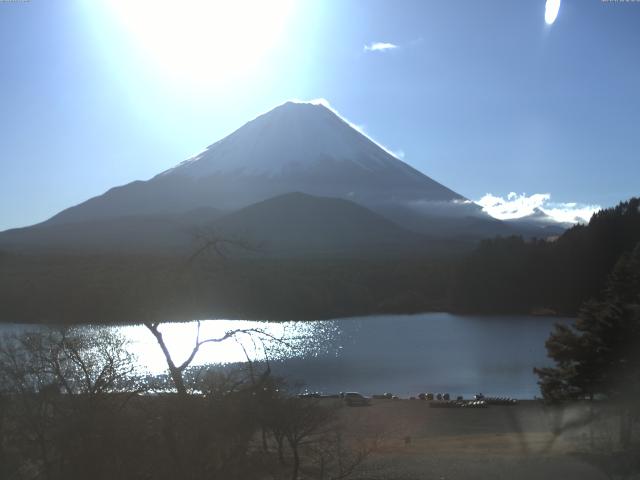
540,224
296,223
293,224
294,147
132,234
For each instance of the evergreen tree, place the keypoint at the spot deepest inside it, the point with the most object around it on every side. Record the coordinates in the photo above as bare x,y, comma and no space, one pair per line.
600,354
517,275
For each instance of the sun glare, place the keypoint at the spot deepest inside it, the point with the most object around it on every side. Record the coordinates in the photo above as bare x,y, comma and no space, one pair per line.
204,42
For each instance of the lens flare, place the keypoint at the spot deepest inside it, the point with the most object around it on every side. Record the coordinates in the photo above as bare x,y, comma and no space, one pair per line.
551,11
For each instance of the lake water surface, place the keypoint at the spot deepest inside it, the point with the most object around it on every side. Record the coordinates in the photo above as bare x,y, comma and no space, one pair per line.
403,354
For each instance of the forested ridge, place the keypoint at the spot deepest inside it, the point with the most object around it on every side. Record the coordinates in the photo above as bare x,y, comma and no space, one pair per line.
120,289
502,275
514,275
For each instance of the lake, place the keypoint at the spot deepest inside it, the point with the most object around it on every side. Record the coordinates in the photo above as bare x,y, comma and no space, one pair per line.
402,354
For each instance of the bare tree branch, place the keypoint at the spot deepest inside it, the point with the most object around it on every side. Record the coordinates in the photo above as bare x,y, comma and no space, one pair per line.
211,241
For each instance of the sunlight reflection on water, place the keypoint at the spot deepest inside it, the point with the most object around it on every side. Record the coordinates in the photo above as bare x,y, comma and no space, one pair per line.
403,354
266,340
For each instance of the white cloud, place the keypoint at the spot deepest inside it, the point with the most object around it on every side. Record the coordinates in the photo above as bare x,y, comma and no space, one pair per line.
445,208
379,47
521,205
571,212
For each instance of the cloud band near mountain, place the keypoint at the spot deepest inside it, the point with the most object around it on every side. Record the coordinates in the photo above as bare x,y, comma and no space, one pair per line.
522,205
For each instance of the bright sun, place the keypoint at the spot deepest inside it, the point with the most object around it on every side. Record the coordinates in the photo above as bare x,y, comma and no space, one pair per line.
204,42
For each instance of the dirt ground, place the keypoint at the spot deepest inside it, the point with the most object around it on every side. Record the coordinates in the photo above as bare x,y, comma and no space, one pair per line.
498,442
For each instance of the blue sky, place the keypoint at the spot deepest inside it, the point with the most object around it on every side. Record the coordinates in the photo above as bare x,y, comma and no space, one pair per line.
482,96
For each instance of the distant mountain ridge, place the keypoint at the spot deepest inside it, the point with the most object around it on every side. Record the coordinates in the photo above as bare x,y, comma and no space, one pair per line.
293,224
148,233
297,223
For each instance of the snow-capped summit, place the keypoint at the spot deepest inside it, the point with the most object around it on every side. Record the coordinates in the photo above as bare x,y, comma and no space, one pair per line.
292,135
296,147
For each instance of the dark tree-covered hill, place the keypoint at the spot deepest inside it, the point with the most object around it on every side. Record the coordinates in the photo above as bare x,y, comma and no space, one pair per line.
514,275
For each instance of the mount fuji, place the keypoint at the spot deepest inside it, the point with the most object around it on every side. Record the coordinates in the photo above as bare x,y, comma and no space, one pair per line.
296,147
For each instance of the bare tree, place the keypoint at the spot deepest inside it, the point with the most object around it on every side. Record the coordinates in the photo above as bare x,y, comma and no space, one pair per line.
176,371
211,244
338,457
302,421
57,384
